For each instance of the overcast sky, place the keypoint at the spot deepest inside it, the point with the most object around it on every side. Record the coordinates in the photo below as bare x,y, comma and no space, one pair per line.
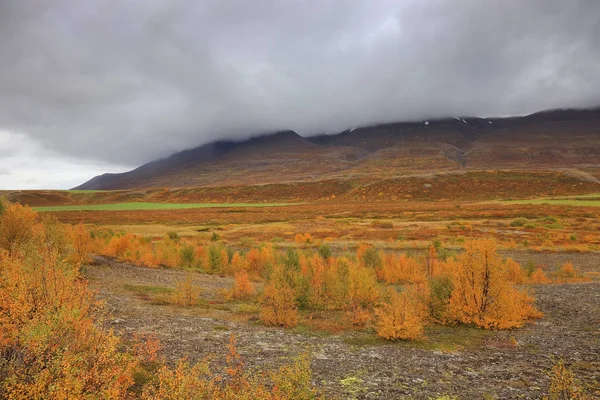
91,86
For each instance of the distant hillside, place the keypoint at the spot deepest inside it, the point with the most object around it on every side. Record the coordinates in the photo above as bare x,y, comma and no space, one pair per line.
564,140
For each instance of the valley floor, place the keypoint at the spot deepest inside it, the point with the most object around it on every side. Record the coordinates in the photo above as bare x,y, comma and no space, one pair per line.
457,361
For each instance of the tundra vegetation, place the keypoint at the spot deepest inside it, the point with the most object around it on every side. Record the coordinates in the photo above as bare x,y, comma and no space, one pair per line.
54,341
52,344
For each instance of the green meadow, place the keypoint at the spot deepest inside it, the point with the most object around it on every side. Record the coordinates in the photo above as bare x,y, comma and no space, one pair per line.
557,202
134,206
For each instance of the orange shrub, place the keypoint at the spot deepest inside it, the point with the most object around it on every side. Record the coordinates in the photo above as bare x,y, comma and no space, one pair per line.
242,287
432,261
303,238
50,346
401,269
254,260
538,277
81,243
568,274
118,245
515,273
238,263
16,225
400,316
202,256
567,270
482,294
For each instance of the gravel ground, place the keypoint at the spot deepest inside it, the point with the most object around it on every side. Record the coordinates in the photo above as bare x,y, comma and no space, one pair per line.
473,365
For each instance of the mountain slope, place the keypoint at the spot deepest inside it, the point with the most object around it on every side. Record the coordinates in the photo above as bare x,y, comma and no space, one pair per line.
550,140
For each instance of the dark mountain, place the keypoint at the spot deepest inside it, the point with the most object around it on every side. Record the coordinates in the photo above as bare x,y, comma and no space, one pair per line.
548,140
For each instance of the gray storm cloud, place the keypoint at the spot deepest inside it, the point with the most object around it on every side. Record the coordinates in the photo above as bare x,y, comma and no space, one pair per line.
126,81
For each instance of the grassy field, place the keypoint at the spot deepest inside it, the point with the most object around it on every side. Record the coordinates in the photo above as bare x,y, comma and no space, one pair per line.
557,202
135,206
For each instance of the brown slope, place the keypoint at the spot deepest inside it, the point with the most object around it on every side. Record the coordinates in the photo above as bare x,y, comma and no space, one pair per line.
563,139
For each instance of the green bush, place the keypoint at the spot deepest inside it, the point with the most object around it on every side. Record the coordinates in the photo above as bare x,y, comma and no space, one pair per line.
441,289
518,222
187,256
371,258
529,267
174,236
325,251
246,242
214,259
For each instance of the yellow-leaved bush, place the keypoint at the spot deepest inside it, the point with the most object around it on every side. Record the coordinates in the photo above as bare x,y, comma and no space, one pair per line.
52,345
482,293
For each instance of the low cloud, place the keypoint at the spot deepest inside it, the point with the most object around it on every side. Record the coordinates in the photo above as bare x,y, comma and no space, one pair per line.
122,82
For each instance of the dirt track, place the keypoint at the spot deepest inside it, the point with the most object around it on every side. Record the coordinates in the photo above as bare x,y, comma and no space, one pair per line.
457,361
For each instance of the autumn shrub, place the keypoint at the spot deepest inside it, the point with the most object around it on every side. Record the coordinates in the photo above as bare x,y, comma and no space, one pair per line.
186,294
482,295
567,273
196,381
538,277
400,316
118,245
515,273
81,243
303,238
361,294
335,283
293,381
563,385
278,301
238,263
254,260
185,381
313,270
401,269
16,225
50,345
242,286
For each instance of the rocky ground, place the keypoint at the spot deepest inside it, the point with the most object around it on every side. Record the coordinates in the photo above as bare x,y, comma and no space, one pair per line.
456,361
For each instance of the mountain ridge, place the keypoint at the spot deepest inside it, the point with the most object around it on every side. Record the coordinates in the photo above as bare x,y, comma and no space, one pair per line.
549,140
